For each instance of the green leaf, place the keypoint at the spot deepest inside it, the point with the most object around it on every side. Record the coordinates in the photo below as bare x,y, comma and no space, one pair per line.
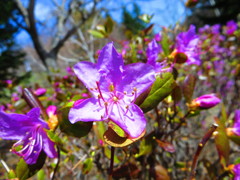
146,146
165,44
109,25
188,87
161,88
11,174
78,129
24,171
117,129
87,165
222,143
96,34
41,175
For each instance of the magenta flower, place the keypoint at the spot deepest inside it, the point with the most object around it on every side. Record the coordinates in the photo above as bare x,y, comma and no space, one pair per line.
206,101
115,88
236,125
236,171
186,42
231,27
40,91
30,132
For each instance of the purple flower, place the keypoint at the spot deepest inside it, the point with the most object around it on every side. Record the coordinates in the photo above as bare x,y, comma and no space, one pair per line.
152,52
40,91
231,27
236,171
205,102
186,42
30,132
236,125
115,88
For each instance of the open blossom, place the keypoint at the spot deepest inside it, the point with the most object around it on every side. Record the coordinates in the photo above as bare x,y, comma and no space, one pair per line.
186,43
30,132
115,88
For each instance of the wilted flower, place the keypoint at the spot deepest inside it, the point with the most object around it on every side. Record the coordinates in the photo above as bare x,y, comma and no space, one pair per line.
30,132
205,102
40,91
115,88
186,43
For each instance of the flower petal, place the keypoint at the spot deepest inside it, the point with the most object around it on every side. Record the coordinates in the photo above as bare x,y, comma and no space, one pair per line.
152,52
88,110
48,145
87,73
138,75
133,122
13,126
110,64
31,146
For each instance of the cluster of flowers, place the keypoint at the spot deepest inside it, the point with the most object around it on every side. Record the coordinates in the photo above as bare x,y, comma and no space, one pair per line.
114,89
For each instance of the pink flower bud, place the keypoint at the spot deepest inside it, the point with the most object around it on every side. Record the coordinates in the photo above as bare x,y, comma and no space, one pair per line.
205,102
40,91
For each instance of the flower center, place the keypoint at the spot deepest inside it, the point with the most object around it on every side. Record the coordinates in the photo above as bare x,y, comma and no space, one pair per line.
113,98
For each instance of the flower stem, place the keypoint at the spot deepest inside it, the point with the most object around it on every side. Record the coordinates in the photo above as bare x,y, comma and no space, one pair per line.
111,163
201,145
56,167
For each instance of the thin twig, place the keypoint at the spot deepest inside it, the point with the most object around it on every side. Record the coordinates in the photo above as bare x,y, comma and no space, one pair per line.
111,163
201,145
56,167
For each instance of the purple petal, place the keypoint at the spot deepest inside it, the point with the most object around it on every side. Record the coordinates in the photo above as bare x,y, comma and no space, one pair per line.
48,146
138,75
32,146
133,122
152,51
88,110
13,126
110,64
236,125
87,73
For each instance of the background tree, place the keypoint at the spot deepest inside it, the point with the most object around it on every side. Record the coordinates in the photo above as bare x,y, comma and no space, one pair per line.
64,27
213,11
10,54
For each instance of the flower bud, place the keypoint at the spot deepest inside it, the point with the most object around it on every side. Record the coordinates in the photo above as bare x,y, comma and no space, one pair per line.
40,91
206,101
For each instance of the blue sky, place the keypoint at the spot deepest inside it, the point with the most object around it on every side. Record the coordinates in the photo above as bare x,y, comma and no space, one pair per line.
166,12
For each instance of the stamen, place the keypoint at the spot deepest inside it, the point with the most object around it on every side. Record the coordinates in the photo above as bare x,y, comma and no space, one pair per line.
99,90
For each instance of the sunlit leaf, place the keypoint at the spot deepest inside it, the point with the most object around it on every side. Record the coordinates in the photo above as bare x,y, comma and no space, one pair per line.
96,34
146,146
112,139
161,88
87,165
